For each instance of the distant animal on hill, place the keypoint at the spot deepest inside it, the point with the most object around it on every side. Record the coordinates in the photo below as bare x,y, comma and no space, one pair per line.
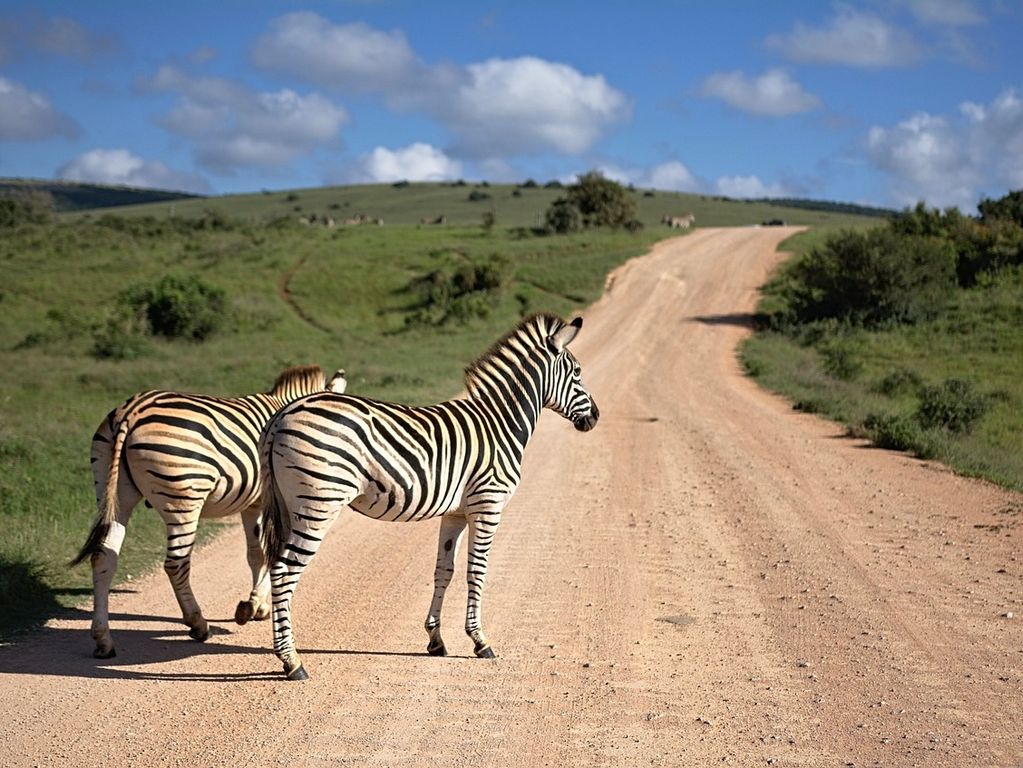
679,222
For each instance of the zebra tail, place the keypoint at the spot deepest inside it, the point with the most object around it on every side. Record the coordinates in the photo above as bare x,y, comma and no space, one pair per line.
273,529
108,503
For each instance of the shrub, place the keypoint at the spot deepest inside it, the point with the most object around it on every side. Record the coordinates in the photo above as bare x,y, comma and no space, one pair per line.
563,217
871,278
28,206
898,433
954,406
601,201
476,196
457,294
178,307
899,382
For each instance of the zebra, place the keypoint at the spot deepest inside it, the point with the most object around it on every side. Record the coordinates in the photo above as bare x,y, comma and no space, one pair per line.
188,456
460,459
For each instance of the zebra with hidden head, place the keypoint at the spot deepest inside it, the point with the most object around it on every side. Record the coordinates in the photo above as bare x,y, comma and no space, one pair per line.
188,456
461,459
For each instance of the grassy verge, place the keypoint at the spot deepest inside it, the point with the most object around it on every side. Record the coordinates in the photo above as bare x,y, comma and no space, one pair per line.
884,383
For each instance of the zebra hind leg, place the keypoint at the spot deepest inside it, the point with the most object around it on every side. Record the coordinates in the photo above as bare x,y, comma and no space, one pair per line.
104,566
257,606
296,554
181,528
451,529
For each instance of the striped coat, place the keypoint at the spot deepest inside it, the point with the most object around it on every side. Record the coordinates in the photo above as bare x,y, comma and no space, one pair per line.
188,456
460,459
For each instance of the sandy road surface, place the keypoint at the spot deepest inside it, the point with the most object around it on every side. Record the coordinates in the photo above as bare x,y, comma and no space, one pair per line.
705,578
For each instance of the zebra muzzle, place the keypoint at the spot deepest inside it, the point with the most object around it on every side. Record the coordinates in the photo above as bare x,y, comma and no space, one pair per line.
589,421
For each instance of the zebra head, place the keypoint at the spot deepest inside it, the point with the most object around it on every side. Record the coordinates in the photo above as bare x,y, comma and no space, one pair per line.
566,394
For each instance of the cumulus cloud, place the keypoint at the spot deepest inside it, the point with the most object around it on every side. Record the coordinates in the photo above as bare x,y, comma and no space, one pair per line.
952,13
121,167
524,105
948,160
416,162
29,116
853,38
233,127
496,107
749,187
772,94
672,175
306,45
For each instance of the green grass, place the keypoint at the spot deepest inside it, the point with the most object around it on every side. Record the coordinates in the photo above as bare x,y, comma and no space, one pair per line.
349,296
853,374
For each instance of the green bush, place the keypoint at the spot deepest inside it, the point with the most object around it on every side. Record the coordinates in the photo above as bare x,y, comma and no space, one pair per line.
840,358
601,201
898,433
954,406
871,278
899,382
563,217
178,307
457,294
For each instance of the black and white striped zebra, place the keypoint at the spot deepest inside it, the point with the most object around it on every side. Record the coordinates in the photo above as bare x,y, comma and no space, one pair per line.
461,459
188,456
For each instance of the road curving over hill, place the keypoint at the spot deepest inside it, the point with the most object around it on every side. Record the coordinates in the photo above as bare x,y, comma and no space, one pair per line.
705,578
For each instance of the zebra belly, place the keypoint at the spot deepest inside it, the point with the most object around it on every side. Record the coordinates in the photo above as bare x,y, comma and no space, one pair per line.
383,503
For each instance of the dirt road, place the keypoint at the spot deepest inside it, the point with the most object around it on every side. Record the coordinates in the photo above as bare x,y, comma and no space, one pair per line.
706,578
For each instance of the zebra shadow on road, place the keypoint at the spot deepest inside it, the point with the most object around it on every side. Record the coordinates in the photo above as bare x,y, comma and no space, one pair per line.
153,653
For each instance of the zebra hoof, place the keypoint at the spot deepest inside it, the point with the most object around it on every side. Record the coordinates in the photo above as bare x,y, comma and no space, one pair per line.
486,652
244,613
104,653
199,634
437,650
298,673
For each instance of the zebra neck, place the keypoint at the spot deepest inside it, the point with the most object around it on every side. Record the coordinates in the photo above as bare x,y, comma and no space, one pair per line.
511,403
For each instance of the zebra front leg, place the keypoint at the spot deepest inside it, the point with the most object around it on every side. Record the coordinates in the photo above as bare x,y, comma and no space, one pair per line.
258,604
181,528
452,526
483,527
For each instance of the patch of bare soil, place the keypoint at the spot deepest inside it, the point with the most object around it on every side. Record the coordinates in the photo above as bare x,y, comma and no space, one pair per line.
706,578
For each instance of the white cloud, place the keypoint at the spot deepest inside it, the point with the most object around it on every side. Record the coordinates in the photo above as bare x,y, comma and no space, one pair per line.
233,127
772,94
121,167
416,162
853,38
952,13
28,116
525,105
749,187
353,56
493,108
954,160
668,176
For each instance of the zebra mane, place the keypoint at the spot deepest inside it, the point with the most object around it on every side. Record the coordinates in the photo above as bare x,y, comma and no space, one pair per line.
310,375
533,330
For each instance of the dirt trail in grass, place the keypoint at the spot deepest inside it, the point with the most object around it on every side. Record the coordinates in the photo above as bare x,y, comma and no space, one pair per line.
285,295
706,578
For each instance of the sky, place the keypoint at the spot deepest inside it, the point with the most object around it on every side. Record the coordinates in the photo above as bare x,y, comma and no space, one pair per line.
877,102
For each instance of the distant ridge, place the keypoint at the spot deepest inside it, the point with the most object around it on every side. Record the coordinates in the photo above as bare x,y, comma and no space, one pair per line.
827,205
75,196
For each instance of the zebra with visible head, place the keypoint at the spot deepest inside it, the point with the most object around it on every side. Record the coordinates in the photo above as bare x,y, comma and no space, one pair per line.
461,459
187,456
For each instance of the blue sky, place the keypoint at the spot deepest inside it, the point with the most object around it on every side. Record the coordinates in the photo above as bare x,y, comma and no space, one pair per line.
880,102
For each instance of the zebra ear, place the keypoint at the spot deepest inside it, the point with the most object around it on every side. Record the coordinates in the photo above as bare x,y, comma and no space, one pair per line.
563,337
